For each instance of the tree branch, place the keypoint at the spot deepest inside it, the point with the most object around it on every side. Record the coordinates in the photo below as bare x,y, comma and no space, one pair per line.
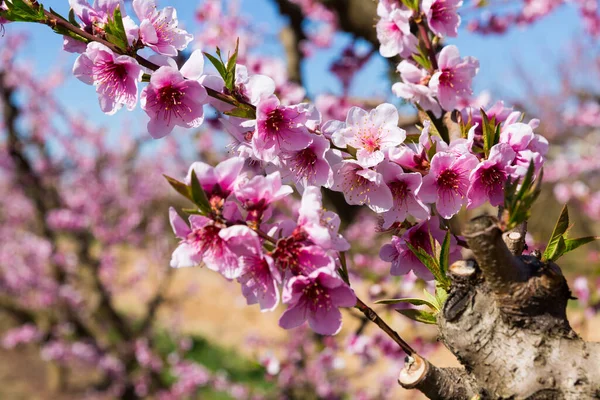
501,269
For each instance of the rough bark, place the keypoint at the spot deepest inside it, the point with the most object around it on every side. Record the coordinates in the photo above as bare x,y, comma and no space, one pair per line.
505,320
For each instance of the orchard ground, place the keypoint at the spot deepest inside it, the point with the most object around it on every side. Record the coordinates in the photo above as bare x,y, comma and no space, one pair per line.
216,311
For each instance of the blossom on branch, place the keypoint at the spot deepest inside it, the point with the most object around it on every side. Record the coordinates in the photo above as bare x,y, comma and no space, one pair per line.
159,29
447,183
442,16
453,80
316,298
116,77
175,98
371,133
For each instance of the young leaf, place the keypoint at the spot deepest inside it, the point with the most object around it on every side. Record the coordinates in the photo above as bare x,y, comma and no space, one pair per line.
218,65
419,315
445,254
180,187
20,11
432,299
230,81
72,19
115,30
411,300
572,244
199,195
431,263
242,112
561,227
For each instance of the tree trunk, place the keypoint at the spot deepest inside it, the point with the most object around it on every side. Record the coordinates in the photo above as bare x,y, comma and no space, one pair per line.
505,321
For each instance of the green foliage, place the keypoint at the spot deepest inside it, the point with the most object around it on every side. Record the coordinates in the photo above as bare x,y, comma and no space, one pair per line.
215,358
518,199
115,30
20,11
226,70
193,193
559,244
412,4
411,300
422,59
419,315
437,266
199,195
491,133
180,187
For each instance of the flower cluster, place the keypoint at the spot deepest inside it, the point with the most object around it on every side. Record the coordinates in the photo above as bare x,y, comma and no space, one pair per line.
173,97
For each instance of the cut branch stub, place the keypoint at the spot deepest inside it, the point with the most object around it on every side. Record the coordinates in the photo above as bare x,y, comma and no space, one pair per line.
501,269
434,382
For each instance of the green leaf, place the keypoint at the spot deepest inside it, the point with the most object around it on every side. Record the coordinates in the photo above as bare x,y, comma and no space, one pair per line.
72,19
411,300
180,187
343,271
441,295
115,30
445,254
572,244
20,11
561,227
419,315
199,195
519,200
491,132
218,65
433,300
431,263
194,211
242,112
230,81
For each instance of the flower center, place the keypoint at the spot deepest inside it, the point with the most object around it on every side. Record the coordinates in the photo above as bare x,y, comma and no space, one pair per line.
493,177
110,74
205,239
274,120
170,102
317,297
370,142
448,180
399,190
303,163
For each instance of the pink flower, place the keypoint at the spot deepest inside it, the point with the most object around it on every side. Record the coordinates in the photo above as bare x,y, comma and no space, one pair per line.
453,80
489,177
294,256
403,259
414,87
527,145
316,297
203,242
308,167
405,192
320,226
218,182
447,183
442,16
370,133
259,192
362,186
260,278
158,29
281,128
115,77
393,32
172,100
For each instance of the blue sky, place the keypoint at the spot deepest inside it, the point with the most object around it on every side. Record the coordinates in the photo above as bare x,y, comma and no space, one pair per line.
534,48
